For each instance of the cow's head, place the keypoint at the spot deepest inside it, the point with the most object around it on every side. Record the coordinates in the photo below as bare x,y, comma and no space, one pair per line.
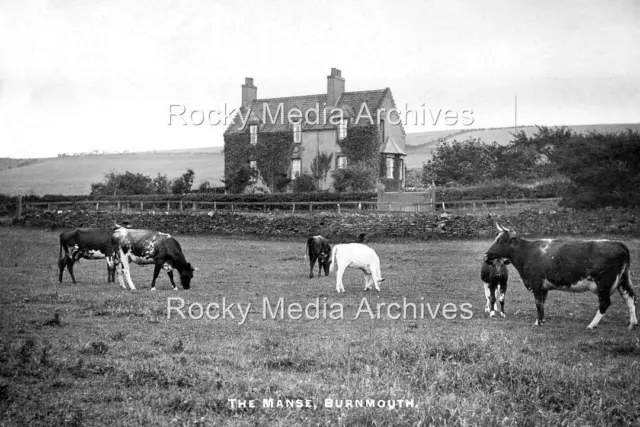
186,274
502,247
500,265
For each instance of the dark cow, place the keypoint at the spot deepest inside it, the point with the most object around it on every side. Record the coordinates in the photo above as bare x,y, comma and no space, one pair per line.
87,243
495,276
150,247
599,266
318,248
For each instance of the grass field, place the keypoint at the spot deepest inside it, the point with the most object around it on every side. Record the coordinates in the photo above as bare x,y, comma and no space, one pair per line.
95,354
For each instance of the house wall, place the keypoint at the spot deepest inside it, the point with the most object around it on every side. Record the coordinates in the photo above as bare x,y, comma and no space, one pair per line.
394,131
314,142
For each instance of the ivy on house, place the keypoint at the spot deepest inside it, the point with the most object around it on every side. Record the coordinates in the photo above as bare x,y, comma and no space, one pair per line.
272,154
361,145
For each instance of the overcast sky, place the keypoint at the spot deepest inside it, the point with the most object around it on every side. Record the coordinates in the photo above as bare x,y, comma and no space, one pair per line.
82,75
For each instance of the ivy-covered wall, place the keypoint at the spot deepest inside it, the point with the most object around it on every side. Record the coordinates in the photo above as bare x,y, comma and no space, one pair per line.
272,154
362,145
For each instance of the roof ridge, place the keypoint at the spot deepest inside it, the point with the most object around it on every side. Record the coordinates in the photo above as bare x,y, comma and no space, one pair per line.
288,97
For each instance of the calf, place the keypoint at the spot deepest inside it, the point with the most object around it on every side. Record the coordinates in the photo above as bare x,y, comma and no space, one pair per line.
599,266
150,247
318,248
87,243
495,276
356,255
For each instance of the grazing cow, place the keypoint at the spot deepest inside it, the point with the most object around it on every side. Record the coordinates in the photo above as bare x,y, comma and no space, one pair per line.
318,248
87,243
356,255
495,276
150,247
599,266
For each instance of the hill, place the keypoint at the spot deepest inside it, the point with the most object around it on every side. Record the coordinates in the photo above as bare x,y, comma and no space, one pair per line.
419,146
74,175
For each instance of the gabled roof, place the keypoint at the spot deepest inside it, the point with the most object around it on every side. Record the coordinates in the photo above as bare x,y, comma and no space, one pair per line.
351,104
390,147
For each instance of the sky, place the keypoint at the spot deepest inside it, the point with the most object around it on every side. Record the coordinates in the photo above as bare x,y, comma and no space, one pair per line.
84,75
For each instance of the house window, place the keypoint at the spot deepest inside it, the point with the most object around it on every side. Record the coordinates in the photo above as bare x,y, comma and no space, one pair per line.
382,131
253,131
296,167
390,165
253,164
342,162
297,132
342,130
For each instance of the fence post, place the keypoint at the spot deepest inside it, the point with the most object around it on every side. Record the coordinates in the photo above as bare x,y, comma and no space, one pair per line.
141,206
310,207
359,206
293,208
168,207
338,207
97,207
193,206
215,206
19,207
118,205
49,206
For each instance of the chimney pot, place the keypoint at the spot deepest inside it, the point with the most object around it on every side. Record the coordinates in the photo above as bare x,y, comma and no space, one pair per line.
335,87
249,92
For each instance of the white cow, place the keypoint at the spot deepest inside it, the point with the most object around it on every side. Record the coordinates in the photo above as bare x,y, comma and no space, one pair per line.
356,255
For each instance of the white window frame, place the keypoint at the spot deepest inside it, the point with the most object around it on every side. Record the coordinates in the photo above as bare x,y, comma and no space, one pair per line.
297,133
341,162
342,129
253,164
296,164
253,132
390,167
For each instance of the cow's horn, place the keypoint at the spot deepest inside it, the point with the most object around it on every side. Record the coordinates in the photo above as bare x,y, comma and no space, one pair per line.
498,226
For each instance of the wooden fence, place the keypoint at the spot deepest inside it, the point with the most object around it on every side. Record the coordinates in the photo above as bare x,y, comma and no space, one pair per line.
473,207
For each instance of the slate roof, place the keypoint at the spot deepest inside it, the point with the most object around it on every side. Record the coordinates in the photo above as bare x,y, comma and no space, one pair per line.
390,147
351,104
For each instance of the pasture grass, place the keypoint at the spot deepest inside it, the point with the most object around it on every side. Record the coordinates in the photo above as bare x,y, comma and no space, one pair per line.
95,354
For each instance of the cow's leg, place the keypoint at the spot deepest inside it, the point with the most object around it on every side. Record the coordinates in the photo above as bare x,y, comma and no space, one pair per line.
540,296
492,299
62,264
156,271
502,289
70,262
368,278
604,299
319,268
326,266
170,274
124,259
312,261
339,273
111,270
487,293
626,290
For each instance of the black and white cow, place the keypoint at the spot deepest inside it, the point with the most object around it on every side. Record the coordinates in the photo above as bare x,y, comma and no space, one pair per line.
318,248
87,243
495,275
144,247
599,266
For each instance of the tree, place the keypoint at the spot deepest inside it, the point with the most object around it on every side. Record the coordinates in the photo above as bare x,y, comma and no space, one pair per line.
466,162
204,186
320,167
183,184
161,184
238,180
125,184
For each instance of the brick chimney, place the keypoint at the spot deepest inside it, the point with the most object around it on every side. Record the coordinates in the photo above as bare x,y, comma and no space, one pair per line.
335,87
249,92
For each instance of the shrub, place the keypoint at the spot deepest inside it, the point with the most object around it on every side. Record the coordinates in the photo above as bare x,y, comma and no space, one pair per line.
357,177
304,184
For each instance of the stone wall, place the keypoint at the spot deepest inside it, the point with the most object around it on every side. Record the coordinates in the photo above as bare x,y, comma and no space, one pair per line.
348,226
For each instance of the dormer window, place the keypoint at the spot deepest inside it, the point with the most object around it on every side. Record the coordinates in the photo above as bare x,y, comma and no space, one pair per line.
297,132
390,167
296,168
341,162
342,130
253,132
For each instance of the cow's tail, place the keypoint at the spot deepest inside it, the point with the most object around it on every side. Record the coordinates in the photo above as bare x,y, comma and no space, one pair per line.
334,261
